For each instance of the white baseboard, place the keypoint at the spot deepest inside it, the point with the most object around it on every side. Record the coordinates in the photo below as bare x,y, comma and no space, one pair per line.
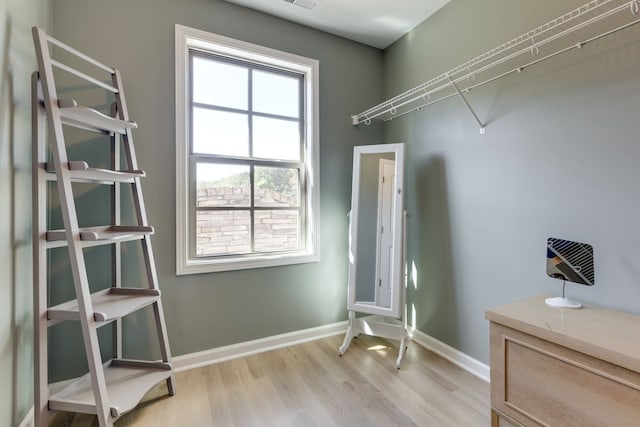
456,357
234,351
28,419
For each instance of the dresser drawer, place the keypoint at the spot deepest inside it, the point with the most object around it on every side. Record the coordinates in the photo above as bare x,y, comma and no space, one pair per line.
537,382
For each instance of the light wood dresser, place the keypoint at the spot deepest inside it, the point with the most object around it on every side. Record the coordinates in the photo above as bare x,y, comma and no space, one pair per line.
564,367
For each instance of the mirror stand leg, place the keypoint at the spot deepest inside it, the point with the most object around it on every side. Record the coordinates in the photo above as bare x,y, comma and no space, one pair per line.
348,336
402,349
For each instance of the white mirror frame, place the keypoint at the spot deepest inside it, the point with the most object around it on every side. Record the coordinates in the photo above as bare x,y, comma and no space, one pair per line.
397,294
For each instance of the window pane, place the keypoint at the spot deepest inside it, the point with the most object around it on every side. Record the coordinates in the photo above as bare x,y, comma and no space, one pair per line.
220,83
222,133
276,187
222,185
277,230
276,139
223,232
276,94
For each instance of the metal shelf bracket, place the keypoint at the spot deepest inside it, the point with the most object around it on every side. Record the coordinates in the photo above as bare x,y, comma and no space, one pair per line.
475,116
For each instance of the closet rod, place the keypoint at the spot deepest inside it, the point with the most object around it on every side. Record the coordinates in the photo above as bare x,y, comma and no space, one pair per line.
543,37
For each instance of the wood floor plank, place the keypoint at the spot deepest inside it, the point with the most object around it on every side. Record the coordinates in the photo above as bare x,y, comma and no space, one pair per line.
419,397
303,407
311,385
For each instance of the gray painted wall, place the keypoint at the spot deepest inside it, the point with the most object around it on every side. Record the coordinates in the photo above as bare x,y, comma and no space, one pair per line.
17,62
211,310
559,159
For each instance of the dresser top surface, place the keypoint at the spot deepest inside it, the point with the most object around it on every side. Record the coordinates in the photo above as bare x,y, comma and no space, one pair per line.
610,335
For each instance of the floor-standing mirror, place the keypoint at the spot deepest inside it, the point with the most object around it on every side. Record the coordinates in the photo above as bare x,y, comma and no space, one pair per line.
376,245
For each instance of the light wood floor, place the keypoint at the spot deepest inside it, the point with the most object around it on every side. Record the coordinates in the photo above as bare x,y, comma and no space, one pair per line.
310,385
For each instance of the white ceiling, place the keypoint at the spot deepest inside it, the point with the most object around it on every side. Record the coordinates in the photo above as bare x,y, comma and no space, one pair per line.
376,23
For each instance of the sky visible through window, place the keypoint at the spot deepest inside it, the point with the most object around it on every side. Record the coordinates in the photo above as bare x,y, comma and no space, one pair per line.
225,131
207,172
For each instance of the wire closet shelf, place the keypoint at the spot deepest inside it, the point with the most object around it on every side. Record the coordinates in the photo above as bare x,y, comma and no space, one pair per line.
572,30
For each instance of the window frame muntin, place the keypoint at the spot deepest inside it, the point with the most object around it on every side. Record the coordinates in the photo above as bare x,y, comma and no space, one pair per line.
187,39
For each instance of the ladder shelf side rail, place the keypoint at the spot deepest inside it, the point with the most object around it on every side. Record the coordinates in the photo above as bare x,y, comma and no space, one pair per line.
129,152
69,216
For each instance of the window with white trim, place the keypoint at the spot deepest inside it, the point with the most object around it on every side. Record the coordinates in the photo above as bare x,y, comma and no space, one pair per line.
246,155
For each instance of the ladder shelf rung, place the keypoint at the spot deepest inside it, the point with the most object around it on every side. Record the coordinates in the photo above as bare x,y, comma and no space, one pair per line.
95,236
108,304
92,120
126,386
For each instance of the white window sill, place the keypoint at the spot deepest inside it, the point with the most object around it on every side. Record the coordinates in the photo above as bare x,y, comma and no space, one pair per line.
209,265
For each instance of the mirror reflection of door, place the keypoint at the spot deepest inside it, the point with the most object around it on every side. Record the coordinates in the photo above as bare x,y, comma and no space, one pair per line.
384,255
375,231
374,262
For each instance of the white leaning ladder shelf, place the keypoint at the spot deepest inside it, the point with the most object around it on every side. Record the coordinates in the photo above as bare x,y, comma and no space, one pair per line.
114,386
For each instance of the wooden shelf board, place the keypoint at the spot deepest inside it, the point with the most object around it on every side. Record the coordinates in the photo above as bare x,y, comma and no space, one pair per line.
94,236
81,172
126,386
94,121
116,232
109,304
